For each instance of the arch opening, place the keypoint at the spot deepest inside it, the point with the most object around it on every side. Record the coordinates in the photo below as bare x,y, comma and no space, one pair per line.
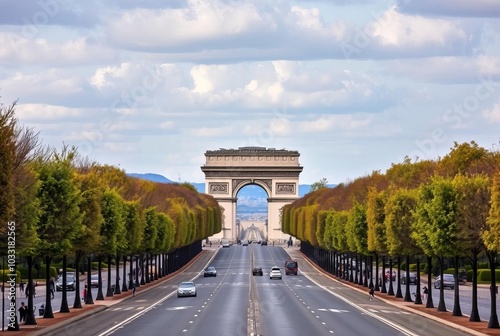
251,213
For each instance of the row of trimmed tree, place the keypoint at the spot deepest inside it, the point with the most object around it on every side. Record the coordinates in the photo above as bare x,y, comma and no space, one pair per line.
446,208
64,205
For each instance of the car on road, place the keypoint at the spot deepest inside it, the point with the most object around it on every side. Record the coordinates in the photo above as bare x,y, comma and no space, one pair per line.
70,283
186,288
412,279
257,271
448,281
244,243
225,243
389,276
275,273
291,267
210,271
264,243
94,280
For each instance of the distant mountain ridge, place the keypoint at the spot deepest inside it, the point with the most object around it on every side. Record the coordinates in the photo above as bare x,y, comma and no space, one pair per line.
151,177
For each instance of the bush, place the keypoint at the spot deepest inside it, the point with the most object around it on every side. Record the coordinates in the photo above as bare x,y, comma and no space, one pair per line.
41,273
484,275
483,265
413,267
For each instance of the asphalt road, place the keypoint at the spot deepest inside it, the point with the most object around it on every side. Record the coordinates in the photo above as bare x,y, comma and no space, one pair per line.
307,304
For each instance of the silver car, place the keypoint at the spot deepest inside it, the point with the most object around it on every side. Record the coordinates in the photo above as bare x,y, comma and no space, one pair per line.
448,281
275,273
186,288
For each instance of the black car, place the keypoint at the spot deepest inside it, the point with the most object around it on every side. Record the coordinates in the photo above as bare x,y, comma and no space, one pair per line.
257,271
264,243
70,283
210,271
412,278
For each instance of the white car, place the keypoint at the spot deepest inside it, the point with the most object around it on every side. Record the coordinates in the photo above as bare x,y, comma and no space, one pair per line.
187,288
275,273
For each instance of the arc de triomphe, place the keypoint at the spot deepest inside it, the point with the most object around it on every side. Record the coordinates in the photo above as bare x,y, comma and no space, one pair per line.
275,170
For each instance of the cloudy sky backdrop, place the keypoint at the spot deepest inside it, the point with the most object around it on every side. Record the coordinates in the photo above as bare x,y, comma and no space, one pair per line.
352,85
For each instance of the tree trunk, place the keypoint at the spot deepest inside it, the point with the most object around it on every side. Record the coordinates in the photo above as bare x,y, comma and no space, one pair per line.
100,292
418,295
399,292
143,280
377,280
382,277
493,322
64,303
117,275
30,314
474,314
109,290
456,306
48,300
124,276
430,302
131,272
78,300
407,280
391,287
442,304
88,291
137,282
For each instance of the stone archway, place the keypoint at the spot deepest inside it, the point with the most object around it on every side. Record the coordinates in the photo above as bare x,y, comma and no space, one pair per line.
229,170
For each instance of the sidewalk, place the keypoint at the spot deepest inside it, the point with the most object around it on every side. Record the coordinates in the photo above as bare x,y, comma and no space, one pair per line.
47,325
457,322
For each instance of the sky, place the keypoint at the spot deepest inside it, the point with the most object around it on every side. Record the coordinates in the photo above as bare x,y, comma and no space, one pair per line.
353,86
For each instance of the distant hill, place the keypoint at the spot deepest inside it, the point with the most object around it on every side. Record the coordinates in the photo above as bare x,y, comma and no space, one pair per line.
151,177
250,197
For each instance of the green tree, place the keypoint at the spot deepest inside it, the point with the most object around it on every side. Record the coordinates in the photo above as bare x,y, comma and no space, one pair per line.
437,220
323,183
134,227
376,240
399,221
491,237
473,206
88,240
60,220
150,239
112,230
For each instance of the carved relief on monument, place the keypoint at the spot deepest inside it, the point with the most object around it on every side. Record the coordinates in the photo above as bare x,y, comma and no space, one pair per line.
218,188
237,183
285,188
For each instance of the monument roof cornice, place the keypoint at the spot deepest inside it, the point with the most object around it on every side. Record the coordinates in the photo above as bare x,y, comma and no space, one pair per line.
252,151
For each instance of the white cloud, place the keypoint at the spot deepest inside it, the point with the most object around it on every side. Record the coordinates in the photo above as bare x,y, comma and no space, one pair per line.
195,75
397,29
17,49
492,114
